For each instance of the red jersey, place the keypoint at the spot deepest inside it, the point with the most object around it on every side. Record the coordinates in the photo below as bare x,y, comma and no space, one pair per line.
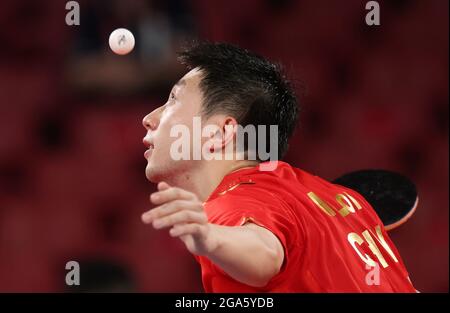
332,238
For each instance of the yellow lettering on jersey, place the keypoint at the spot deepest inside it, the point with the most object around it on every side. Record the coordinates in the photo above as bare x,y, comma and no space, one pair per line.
373,247
346,202
355,202
355,238
321,204
347,207
379,237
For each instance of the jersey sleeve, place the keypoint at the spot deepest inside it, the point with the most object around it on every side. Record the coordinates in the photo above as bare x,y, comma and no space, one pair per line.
263,208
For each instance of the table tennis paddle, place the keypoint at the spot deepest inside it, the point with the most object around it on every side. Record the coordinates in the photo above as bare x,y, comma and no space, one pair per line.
393,196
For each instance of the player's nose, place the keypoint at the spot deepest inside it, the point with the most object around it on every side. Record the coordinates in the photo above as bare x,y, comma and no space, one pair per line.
149,121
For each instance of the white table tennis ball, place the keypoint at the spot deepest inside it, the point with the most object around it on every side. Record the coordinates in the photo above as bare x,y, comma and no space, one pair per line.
121,41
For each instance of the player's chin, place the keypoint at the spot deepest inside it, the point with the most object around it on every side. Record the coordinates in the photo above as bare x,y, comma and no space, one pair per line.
154,171
151,173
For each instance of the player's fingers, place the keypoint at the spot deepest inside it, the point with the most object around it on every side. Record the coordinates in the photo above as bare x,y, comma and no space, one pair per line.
170,194
163,186
180,217
169,208
185,229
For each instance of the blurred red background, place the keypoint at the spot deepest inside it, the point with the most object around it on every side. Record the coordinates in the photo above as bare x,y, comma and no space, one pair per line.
72,183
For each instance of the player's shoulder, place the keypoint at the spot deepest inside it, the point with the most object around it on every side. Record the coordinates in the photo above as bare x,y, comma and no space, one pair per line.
288,176
275,175
270,181
252,183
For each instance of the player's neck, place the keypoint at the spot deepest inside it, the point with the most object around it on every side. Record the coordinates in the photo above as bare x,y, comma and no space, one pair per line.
205,179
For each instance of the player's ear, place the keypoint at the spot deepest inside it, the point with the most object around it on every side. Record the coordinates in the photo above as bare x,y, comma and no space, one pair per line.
227,132
220,132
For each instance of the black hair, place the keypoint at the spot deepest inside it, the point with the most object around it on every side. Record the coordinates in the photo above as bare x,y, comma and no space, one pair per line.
245,85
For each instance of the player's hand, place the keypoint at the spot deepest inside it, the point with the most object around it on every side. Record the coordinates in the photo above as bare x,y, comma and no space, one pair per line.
183,213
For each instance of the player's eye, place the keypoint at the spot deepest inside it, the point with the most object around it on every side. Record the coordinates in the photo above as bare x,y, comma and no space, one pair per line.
172,96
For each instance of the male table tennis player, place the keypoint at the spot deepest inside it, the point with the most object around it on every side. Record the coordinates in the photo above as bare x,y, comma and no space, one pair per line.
254,230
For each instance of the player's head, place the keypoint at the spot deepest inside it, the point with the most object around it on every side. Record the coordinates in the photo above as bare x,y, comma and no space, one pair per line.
226,85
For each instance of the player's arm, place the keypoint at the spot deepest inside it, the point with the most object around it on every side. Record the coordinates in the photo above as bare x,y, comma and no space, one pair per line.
250,254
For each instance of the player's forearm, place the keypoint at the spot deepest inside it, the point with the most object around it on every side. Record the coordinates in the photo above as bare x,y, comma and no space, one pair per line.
250,254
243,254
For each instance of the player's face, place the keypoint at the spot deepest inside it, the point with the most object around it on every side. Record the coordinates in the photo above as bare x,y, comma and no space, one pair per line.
183,104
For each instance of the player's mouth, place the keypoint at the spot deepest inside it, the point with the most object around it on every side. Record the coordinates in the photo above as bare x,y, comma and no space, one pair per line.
148,152
150,146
